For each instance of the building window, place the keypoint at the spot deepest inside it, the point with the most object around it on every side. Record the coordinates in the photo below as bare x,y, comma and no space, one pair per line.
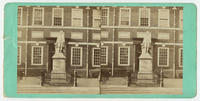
96,57
123,57
163,56
181,57
144,16
20,11
105,16
104,55
37,55
76,56
181,18
77,17
163,19
57,16
125,14
96,18
19,55
38,16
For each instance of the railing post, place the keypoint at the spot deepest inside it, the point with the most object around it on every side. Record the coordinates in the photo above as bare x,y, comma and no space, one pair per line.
21,74
161,78
75,78
129,78
100,82
42,78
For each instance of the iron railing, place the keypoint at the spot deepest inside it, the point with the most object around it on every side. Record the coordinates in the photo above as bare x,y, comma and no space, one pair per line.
47,77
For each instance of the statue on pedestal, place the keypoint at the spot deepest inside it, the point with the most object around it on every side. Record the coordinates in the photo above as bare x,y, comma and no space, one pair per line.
60,42
145,74
146,44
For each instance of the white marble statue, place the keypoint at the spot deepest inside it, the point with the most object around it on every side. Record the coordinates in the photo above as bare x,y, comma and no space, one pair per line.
146,44
60,41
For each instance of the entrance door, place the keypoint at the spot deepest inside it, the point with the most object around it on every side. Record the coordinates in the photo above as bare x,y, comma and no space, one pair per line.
51,53
137,55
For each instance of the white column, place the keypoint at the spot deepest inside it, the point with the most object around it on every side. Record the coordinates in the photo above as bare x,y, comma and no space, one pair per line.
113,48
87,68
174,52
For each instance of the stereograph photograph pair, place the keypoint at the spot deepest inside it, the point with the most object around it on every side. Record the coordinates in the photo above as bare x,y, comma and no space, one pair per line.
131,50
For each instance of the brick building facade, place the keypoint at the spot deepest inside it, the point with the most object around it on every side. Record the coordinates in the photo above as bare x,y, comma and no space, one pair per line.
100,38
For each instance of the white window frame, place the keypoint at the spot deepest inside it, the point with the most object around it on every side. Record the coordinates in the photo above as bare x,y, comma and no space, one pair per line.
180,49
81,55
93,18
181,26
119,56
20,55
21,15
62,10
93,65
108,12
41,55
129,16
159,57
33,19
149,21
80,17
105,54
159,10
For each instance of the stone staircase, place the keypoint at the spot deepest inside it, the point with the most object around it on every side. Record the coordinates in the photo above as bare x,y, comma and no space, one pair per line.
29,82
87,82
116,81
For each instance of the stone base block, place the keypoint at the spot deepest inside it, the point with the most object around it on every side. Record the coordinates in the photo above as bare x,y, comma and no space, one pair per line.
60,79
144,75
145,79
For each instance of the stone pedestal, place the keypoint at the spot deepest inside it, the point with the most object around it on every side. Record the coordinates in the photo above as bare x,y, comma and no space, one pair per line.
58,74
145,74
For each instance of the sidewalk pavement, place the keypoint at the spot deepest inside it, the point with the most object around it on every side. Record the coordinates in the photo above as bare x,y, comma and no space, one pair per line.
32,85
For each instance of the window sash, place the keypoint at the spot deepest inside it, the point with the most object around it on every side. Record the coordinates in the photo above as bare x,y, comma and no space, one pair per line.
104,16
104,55
19,55
20,12
144,18
123,56
77,17
57,16
181,18
163,56
125,14
38,16
163,17
37,55
76,56
96,18
181,57
96,62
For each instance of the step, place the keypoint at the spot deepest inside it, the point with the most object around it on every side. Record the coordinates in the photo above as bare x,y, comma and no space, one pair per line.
116,81
62,83
87,82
